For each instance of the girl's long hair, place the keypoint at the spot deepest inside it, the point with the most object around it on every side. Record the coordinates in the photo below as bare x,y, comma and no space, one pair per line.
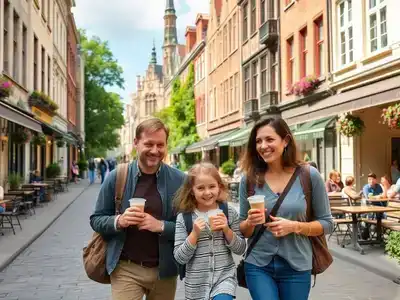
184,199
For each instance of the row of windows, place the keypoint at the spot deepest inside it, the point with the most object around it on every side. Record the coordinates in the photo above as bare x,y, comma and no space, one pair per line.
200,68
224,43
253,11
150,106
225,99
260,76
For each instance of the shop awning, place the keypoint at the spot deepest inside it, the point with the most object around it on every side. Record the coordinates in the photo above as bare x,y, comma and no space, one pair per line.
227,140
52,130
241,138
314,129
18,117
70,139
206,144
177,150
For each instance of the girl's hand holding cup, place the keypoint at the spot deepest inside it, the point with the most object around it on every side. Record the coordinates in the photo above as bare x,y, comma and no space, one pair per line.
220,222
198,226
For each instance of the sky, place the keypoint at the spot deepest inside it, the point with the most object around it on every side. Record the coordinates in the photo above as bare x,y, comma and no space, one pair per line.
130,27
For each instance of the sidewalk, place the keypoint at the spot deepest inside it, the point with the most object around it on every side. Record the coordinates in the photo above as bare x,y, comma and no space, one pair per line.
374,259
33,226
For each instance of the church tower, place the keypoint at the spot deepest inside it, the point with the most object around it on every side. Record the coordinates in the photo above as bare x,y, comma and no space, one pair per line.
170,47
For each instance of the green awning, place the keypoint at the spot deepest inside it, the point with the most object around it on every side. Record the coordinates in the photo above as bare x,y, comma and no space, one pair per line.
70,139
229,139
314,129
52,130
206,144
177,150
241,138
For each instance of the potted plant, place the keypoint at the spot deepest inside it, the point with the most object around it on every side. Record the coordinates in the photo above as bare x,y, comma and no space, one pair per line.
14,180
228,167
43,101
5,87
349,125
305,86
60,143
21,136
83,165
53,170
391,116
39,140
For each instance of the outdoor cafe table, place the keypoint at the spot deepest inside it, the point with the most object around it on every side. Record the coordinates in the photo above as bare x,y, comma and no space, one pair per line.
357,210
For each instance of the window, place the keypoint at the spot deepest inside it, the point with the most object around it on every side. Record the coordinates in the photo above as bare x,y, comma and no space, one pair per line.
319,62
274,73
210,57
271,9
245,22
253,17
6,54
220,52
48,74
377,25
290,61
24,51
226,89
303,52
212,108
247,83
230,36
48,12
234,33
43,78
16,46
254,75
345,32
215,103
237,96
225,42
35,63
263,66
232,99
263,9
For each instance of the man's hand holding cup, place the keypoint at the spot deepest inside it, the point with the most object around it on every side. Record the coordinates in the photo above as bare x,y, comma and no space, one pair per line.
133,215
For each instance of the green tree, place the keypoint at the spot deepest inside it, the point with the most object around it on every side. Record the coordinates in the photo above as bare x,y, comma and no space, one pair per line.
103,110
180,116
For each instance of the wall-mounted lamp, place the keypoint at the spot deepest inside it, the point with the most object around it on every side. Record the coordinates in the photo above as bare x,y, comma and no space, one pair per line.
4,141
49,142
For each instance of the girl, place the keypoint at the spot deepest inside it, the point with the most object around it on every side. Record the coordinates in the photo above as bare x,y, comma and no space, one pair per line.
207,254
279,266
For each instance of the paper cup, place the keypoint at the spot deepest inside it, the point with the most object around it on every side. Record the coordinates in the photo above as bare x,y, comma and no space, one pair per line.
138,202
211,217
257,202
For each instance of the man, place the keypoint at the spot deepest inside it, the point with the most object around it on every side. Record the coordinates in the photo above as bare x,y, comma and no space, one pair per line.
140,245
373,188
92,169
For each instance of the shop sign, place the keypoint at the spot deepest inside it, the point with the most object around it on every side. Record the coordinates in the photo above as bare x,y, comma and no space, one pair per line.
41,115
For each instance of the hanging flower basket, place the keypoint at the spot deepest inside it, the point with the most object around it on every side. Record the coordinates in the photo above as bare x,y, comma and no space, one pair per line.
43,101
21,136
305,86
5,87
60,143
391,116
39,140
349,125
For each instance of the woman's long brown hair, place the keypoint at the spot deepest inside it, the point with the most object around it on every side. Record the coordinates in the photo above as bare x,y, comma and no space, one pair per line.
184,199
253,165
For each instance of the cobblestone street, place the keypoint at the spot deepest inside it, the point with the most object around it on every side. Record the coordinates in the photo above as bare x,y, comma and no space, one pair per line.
51,268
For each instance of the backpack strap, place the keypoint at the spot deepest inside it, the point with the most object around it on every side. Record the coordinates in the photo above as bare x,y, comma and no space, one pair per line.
187,218
224,207
120,183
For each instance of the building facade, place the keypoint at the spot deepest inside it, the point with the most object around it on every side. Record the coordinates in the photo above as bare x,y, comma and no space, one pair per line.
30,55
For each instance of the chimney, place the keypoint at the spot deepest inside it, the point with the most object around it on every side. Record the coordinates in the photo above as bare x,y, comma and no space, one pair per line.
190,36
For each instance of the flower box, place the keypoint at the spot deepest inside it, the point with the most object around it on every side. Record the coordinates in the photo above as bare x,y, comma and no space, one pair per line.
43,102
305,86
349,125
5,87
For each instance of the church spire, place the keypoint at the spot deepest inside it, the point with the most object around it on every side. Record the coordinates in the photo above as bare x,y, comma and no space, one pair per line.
170,33
170,6
153,59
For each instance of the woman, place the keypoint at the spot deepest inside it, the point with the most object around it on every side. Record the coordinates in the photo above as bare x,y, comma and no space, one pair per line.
279,267
386,185
339,181
349,191
75,171
331,184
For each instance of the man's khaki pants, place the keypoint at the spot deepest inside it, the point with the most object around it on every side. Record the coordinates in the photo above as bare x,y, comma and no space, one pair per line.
130,281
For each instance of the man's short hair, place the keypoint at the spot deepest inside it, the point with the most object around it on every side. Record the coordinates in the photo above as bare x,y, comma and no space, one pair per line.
150,126
372,175
349,181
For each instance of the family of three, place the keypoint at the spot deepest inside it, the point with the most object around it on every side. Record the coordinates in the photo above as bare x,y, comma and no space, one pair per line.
146,249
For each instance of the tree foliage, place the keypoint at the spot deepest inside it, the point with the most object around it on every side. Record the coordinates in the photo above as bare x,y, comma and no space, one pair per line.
180,115
103,110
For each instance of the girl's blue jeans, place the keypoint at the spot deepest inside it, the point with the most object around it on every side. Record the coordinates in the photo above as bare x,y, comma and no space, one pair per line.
277,281
223,297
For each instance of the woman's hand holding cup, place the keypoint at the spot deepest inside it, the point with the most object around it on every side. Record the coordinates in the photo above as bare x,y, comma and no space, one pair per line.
256,217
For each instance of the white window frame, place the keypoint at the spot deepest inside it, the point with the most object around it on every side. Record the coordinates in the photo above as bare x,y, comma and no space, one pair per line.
380,4
345,29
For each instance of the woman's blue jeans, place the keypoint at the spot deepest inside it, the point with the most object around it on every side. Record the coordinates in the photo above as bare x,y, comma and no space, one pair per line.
277,281
223,297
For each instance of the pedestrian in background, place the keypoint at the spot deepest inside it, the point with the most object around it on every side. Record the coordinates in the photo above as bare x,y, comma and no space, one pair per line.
92,169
